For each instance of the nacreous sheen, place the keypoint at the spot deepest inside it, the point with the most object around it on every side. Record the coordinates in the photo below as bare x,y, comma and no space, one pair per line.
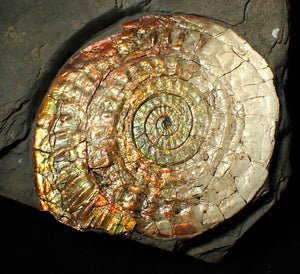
156,135
165,129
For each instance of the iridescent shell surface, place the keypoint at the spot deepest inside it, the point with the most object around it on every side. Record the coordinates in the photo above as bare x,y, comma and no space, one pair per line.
166,129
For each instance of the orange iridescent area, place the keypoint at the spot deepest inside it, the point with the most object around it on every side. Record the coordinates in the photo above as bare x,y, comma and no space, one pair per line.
134,132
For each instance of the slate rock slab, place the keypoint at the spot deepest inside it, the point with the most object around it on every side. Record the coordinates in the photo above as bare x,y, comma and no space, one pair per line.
39,36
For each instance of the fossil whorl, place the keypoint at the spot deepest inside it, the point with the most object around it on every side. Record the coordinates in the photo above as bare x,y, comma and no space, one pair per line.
166,129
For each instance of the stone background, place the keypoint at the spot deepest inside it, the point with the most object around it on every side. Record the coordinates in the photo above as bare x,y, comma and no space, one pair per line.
33,31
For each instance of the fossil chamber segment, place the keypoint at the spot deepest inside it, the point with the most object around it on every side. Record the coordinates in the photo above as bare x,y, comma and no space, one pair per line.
166,129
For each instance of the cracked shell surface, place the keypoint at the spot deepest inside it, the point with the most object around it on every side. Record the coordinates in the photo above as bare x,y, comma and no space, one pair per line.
165,129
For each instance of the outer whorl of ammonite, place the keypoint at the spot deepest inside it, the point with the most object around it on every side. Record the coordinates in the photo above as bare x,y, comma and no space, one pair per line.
166,129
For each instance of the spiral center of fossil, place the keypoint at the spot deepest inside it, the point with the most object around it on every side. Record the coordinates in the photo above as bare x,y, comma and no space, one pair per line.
166,127
167,122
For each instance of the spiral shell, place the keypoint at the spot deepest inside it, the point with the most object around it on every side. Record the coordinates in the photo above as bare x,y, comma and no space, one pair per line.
166,129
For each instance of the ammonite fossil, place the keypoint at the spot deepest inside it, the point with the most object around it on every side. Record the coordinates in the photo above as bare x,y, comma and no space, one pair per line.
165,129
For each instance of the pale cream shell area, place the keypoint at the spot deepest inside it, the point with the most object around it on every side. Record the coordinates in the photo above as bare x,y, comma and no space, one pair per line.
227,173
252,86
